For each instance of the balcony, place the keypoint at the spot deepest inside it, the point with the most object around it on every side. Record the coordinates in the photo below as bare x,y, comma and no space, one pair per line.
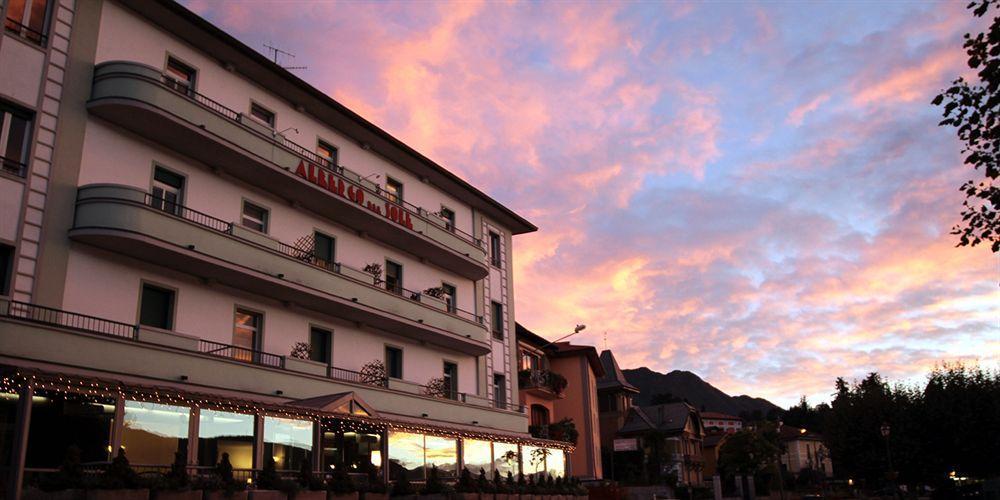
123,219
67,337
542,383
135,96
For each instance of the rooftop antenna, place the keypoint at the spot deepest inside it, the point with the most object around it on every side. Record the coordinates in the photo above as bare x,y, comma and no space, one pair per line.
275,52
605,340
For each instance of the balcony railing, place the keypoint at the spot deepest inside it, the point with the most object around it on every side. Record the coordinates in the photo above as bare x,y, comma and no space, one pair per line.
26,32
542,379
95,325
305,255
336,171
13,167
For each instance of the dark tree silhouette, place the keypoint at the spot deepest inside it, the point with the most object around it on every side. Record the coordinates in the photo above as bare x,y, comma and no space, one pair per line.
972,107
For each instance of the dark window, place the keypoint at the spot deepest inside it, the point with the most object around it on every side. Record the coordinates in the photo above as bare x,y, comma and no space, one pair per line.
393,277
254,216
450,375
450,297
497,321
393,190
28,18
6,268
499,391
327,152
449,218
394,362
539,415
63,420
15,129
324,248
607,402
180,76
157,307
319,345
168,190
262,114
495,257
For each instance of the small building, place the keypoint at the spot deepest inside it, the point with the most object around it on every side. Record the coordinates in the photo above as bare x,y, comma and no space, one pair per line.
804,450
721,421
670,437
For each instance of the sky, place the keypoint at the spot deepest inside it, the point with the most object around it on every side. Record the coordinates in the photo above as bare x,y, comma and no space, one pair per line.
758,193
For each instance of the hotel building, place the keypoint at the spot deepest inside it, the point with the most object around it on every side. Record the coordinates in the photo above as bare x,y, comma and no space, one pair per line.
202,253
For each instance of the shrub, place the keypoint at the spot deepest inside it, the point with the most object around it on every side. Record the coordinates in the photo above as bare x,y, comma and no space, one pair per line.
268,479
402,486
340,481
433,485
482,483
465,482
301,350
119,474
373,373
307,479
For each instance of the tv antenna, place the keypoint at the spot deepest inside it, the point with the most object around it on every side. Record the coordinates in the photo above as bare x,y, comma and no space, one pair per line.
275,52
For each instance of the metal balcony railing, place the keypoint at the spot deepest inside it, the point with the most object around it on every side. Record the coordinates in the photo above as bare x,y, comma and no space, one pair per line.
241,354
337,171
542,379
75,321
25,32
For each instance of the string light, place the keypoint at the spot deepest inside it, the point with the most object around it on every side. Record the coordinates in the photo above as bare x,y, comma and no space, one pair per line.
99,391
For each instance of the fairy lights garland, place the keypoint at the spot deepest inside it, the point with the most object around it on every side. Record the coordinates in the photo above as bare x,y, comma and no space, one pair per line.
98,391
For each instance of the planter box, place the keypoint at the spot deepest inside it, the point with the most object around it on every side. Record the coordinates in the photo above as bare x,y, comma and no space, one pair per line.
221,495
468,496
310,495
117,494
267,495
433,302
353,496
374,496
177,495
305,366
168,338
37,494
256,237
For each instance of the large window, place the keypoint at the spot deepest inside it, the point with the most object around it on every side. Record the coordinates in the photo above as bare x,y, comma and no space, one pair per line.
246,333
255,217
495,257
497,320
29,19
406,453
320,344
15,129
156,307
441,452
287,441
393,277
394,362
168,190
59,421
224,432
477,455
351,449
153,432
534,460
555,462
505,459
180,76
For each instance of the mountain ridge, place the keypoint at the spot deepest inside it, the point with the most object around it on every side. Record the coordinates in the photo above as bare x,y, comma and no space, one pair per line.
689,386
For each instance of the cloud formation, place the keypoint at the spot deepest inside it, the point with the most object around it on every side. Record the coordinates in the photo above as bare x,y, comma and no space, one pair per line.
758,194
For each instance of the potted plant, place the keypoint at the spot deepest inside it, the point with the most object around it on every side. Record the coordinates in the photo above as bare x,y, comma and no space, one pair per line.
119,482
66,484
437,388
373,373
466,488
434,488
220,483
339,486
522,487
176,484
310,486
530,489
270,485
500,490
374,269
375,488
403,487
511,486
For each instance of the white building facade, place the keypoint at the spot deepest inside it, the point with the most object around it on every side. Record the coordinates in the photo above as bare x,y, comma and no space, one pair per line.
188,230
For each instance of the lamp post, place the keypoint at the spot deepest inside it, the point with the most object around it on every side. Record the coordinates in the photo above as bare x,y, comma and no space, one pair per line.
885,430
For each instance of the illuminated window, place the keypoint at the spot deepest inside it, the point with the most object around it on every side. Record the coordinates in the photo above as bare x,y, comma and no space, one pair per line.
327,152
28,19
153,432
393,190
287,441
534,460
555,462
406,453
477,455
352,449
223,432
246,333
442,453
505,459
180,76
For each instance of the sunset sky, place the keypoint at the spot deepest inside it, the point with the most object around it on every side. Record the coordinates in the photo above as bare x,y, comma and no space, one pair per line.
757,193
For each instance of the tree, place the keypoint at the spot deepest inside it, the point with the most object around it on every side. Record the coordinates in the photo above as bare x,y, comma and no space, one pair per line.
747,452
972,108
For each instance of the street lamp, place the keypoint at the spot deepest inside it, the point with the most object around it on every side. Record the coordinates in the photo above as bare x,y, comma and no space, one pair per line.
885,430
578,329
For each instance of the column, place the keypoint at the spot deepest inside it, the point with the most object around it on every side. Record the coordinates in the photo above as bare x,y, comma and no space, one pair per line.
19,447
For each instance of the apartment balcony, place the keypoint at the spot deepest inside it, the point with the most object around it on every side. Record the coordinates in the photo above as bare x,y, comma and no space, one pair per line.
42,334
137,97
123,219
542,383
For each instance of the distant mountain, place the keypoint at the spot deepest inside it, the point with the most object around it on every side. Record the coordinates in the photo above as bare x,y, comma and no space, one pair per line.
700,394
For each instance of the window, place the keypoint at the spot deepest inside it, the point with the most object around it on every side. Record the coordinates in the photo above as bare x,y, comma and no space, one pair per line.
342,446
254,217
320,341
497,318
156,307
6,268
499,390
449,218
153,432
393,277
450,375
168,190
61,420
262,114
288,442
505,457
246,333
495,257
394,362
180,76
441,452
224,432
327,152
28,19
530,361
406,453
555,462
324,248
534,461
450,297
393,190
539,415
607,402
477,455
15,130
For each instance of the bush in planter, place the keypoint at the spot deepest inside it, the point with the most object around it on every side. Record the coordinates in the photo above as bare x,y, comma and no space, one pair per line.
373,373
484,485
498,484
301,350
434,485
466,484
522,485
119,475
402,486
309,480
340,482
268,479
221,479
70,475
